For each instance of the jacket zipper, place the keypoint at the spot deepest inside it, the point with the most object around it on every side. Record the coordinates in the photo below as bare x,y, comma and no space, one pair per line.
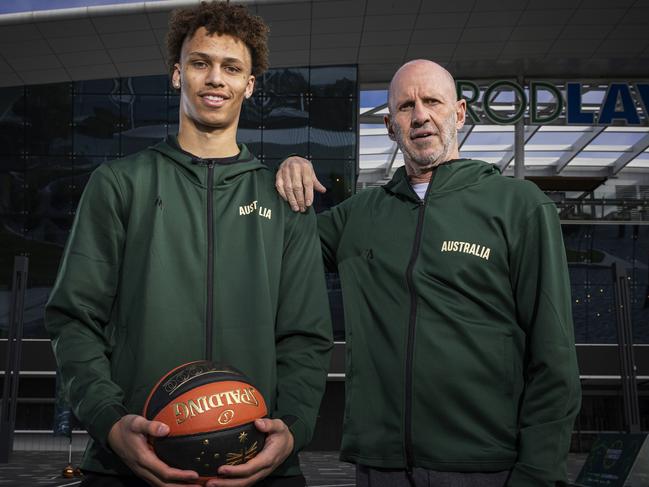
411,332
210,263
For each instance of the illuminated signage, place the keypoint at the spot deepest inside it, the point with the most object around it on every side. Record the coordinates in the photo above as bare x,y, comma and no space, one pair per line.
621,103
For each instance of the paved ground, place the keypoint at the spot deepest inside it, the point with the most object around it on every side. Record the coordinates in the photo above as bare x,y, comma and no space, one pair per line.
43,468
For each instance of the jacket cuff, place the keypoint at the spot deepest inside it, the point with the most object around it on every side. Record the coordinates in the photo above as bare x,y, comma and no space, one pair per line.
103,421
299,431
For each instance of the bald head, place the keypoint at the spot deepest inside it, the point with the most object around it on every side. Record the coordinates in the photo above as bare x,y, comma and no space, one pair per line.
424,116
439,76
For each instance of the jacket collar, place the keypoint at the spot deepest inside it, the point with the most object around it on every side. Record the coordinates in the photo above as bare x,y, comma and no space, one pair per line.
196,168
449,176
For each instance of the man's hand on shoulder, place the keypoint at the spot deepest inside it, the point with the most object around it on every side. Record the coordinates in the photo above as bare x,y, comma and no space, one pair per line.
278,446
295,182
129,439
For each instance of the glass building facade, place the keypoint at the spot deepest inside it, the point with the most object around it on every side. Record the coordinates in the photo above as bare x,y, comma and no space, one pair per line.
53,136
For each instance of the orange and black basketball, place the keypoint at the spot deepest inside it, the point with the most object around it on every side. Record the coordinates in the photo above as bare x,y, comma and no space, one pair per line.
210,410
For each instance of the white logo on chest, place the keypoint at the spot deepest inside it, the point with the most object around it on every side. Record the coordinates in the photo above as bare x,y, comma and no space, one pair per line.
255,208
466,248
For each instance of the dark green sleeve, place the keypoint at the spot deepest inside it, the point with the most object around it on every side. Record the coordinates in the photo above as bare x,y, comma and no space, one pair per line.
331,224
552,394
80,304
303,329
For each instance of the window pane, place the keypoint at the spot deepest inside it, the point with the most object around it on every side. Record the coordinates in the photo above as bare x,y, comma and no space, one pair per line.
49,202
49,119
249,132
285,126
286,81
12,112
146,85
12,195
339,179
96,125
330,81
98,86
145,123
333,128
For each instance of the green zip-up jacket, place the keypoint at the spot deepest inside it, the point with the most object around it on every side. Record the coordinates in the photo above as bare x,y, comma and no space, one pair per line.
460,347
138,291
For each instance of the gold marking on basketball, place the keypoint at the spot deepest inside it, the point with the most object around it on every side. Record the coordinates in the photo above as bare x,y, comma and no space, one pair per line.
226,416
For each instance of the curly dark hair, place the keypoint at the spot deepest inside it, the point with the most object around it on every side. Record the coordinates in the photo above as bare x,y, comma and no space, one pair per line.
220,18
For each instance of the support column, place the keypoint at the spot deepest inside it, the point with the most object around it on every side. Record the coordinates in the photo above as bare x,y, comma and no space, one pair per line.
519,142
12,364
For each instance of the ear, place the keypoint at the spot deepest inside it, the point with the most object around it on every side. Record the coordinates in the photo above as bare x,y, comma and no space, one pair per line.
175,76
460,112
388,124
250,87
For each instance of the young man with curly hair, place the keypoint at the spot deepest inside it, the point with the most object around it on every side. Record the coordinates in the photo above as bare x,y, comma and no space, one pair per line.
184,252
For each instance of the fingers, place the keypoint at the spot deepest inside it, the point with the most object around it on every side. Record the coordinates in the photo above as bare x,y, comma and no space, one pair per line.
279,444
269,426
296,181
156,429
297,184
279,185
263,461
128,438
318,186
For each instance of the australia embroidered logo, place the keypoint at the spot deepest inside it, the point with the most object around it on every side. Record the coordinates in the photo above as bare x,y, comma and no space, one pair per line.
467,248
254,207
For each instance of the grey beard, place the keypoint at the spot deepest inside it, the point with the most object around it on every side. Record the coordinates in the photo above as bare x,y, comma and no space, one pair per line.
448,135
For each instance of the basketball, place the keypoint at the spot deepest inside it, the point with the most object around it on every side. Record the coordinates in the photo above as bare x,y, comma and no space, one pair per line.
210,410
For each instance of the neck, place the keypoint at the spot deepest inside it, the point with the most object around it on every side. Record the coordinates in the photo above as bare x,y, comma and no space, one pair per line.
418,174
422,177
207,143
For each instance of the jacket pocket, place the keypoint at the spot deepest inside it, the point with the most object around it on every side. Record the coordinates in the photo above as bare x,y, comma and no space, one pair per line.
471,366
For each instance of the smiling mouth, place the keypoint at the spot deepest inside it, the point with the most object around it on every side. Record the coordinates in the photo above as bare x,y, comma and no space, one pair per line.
214,101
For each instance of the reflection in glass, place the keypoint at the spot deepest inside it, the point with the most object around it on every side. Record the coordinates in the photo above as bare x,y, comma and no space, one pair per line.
146,85
145,122
334,81
285,126
49,208
286,81
12,195
12,123
49,119
338,176
98,86
53,136
591,251
333,128
97,124
249,132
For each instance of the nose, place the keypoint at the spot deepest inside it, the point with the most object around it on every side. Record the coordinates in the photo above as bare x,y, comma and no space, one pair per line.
419,114
214,76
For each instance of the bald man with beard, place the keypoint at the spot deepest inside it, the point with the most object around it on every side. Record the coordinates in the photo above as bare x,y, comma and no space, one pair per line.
461,364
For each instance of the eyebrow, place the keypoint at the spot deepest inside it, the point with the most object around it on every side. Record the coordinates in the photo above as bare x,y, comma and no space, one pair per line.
204,55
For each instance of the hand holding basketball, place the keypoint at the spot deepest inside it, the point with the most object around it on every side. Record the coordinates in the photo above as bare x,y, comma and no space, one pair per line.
129,438
279,445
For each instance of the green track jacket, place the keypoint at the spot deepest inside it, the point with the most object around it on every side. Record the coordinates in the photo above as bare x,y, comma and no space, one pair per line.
460,347
167,250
